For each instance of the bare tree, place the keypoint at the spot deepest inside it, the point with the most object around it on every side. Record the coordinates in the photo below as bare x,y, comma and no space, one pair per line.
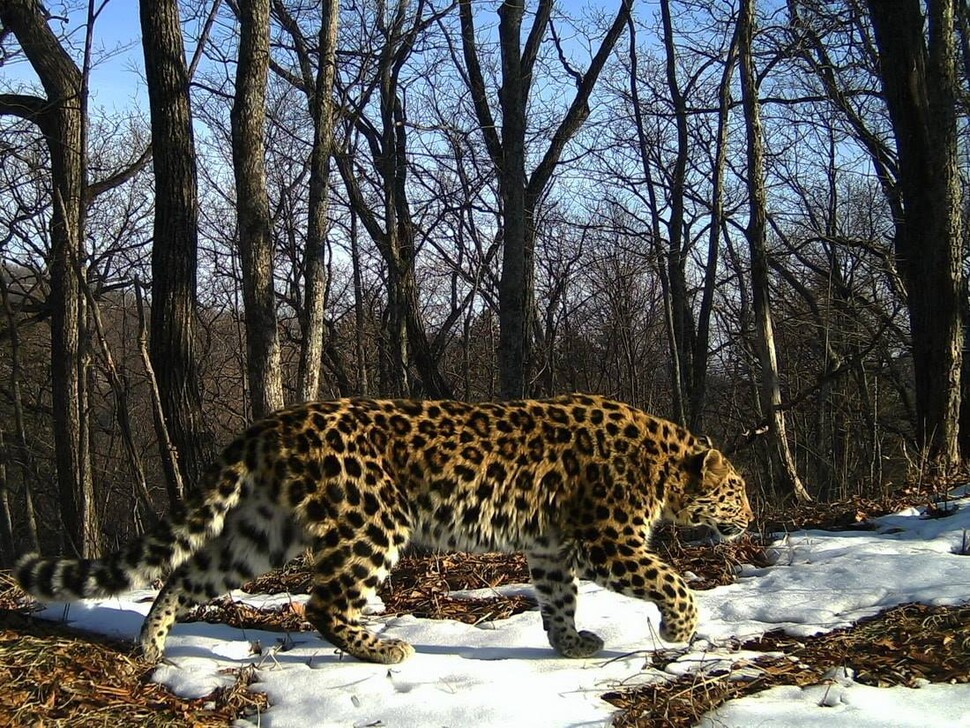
784,306
248,118
6,519
699,374
61,117
312,321
688,338
520,192
393,229
786,480
175,247
682,330
920,87
23,453
915,63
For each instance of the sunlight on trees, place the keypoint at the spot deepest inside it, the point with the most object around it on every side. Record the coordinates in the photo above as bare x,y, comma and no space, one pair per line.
741,216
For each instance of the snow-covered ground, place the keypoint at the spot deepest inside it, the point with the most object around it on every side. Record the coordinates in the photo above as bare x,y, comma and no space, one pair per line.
505,674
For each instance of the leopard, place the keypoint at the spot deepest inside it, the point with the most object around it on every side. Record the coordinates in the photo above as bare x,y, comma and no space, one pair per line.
576,482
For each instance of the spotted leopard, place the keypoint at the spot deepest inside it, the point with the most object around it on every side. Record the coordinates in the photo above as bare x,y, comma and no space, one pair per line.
576,482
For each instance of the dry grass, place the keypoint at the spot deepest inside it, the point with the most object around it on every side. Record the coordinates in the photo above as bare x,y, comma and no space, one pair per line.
51,675
853,514
681,702
54,676
902,646
420,585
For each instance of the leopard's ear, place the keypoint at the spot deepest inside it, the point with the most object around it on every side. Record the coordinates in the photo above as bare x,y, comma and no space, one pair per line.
706,462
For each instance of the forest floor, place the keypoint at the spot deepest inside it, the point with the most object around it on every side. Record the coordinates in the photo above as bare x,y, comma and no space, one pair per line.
53,675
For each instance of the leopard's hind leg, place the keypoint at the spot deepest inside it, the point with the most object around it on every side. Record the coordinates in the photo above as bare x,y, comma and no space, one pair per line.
554,580
257,538
357,542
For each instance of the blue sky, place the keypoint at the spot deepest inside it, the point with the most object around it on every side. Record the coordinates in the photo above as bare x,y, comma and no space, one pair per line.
117,78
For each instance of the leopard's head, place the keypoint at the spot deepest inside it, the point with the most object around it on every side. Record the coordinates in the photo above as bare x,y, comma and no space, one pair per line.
714,495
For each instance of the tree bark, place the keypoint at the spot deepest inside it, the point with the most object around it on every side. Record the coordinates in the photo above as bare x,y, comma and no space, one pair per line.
786,480
314,265
264,369
919,84
175,245
516,285
61,119
964,434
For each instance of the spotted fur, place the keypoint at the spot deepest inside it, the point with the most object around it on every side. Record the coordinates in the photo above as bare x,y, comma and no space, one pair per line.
575,482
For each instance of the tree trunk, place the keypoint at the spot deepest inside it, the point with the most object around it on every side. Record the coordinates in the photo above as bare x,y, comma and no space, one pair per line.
520,192
516,291
677,388
397,244
682,317
402,254
786,480
409,340
964,434
315,285
61,119
363,384
169,453
122,411
7,552
919,84
264,369
175,245
405,341
698,402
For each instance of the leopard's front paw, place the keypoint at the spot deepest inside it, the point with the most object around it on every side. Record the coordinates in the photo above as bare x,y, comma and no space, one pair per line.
679,625
390,651
149,651
577,644
677,632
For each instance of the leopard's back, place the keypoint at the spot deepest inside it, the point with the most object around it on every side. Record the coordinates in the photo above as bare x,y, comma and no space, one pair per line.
494,476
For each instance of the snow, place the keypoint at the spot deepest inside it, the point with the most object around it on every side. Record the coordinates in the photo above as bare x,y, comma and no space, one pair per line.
505,674
843,702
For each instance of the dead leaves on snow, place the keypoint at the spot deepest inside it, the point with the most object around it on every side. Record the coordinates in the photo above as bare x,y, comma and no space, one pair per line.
422,586
53,676
679,703
902,646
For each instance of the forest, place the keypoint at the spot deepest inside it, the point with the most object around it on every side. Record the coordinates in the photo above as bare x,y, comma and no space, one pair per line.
746,217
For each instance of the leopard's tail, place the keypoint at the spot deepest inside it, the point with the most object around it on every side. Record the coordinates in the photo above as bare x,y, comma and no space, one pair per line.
152,555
